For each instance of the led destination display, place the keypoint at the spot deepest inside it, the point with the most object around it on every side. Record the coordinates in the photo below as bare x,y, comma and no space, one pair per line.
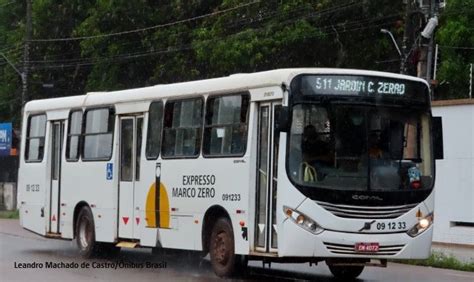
360,85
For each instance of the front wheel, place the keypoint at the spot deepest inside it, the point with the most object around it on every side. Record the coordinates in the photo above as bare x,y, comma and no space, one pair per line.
346,272
85,233
221,249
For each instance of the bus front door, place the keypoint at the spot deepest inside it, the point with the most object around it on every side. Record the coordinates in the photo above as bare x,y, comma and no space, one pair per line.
266,232
57,134
130,153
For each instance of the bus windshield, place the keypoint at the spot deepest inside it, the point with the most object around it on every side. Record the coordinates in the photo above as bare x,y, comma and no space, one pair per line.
360,148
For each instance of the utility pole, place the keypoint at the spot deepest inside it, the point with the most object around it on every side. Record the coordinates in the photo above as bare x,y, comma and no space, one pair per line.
26,54
429,63
406,36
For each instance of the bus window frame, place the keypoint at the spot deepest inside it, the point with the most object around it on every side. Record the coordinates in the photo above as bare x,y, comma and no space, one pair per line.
174,157
148,130
211,156
84,134
79,149
28,138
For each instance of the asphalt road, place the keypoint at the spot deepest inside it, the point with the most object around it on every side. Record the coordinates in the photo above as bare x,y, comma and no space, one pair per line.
18,246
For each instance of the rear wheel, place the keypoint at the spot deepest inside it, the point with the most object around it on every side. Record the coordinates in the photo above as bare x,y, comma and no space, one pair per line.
221,249
346,272
85,234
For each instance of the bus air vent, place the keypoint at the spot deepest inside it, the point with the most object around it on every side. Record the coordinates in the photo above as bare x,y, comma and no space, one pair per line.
366,212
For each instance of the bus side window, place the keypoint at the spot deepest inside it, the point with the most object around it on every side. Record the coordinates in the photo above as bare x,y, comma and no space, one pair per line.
35,138
74,135
225,132
182,128
98,134
155,124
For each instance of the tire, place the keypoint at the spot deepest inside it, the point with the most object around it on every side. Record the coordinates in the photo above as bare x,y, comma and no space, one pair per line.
221,249
85,234
346,272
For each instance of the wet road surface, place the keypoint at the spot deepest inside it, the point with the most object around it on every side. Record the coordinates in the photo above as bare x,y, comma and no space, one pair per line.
20,248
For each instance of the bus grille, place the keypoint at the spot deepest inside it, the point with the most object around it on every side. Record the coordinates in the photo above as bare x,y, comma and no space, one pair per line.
366,212
342,249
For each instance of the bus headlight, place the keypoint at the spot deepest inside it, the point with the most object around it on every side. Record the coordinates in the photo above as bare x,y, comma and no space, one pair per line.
423,224
303,220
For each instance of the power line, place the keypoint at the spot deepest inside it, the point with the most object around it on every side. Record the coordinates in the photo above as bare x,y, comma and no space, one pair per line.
118,59
250,20
456,47
147,28
240,23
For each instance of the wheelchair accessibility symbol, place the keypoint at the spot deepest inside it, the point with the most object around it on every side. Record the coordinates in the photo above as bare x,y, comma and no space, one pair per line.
110,171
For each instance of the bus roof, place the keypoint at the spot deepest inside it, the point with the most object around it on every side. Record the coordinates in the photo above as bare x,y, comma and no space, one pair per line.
232,83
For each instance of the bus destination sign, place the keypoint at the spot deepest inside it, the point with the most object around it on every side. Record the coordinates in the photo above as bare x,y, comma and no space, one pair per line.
361,86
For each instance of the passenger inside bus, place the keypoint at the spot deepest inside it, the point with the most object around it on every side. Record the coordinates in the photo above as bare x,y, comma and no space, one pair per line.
316,154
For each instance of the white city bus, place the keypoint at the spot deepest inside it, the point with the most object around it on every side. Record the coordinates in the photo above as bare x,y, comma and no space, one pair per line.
289,165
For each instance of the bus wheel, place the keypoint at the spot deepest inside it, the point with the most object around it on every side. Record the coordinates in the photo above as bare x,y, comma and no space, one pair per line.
221,248
346,272
85,233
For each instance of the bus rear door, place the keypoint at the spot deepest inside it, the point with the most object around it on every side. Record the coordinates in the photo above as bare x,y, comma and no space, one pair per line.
54,197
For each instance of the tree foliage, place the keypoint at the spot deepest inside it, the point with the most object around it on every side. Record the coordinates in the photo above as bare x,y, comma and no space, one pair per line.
456,49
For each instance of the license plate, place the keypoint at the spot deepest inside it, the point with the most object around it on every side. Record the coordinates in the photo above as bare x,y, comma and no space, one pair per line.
367,247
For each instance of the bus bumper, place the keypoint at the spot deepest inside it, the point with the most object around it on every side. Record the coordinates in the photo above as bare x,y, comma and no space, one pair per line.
294,241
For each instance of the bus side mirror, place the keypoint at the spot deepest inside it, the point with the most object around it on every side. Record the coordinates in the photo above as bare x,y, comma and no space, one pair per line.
283,122
437,125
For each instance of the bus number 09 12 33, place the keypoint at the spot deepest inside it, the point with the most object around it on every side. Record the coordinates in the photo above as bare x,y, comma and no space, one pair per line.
400,225
230,197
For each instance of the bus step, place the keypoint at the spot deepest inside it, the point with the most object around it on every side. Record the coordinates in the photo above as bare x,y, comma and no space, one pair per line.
125,244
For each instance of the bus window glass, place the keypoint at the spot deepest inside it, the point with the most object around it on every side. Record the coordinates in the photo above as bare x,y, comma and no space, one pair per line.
182,128
98,134
35,138
358,148
74,134
155,121
226,126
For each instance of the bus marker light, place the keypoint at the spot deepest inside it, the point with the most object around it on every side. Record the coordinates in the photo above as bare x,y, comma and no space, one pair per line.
242,223
419,213
196,221
137,219
99,216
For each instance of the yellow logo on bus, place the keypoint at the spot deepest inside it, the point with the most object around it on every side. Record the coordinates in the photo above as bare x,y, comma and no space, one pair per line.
157,207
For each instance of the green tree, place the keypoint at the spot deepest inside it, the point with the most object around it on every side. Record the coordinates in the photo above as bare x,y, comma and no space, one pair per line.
456,49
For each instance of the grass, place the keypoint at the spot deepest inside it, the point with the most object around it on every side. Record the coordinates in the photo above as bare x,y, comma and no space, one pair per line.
10,214
440,260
